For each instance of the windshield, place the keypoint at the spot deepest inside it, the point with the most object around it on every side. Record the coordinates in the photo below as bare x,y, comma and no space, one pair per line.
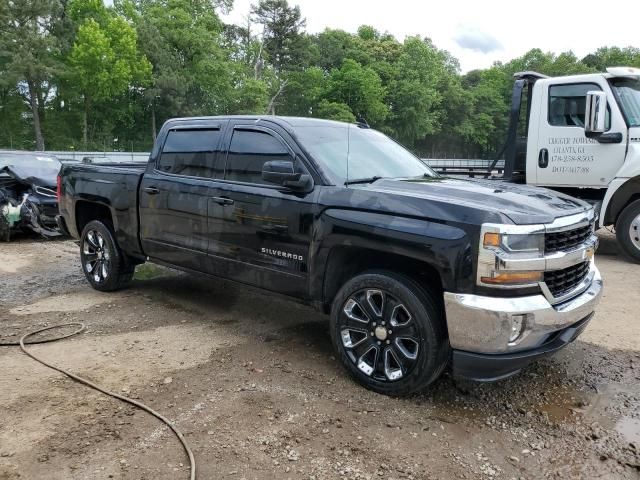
349,152
627,92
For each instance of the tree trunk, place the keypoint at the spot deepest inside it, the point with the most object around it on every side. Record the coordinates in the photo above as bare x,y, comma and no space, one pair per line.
85,123
271,108
153,122
35,110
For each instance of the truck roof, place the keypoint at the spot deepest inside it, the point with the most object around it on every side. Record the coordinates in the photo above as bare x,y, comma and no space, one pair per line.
612,72
281,120
623,72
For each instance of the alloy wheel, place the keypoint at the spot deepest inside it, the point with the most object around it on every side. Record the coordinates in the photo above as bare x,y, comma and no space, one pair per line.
96,257
379,335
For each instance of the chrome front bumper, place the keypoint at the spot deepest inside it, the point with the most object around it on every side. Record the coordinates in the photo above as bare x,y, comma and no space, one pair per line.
483,324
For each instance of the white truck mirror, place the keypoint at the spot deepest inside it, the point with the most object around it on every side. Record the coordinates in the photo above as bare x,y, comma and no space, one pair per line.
595,112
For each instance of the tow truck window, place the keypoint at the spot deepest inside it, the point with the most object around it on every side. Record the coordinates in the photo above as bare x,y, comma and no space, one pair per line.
191,153
628,93
567,104
248,152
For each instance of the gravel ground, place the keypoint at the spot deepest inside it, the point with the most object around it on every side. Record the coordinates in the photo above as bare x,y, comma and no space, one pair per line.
252,382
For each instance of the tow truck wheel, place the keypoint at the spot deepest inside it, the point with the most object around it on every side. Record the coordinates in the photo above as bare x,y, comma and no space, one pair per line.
628,230
389,333
103,263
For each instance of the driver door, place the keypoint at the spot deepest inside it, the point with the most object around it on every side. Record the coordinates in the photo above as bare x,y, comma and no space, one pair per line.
565,156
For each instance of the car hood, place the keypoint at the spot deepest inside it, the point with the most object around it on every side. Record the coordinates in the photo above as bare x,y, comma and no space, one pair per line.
523,205
33,173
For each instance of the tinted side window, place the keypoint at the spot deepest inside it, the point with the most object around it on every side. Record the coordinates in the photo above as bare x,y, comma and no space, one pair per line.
248,152
191,153
567,104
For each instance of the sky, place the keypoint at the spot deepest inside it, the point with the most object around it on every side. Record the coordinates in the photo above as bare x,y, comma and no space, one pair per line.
479,32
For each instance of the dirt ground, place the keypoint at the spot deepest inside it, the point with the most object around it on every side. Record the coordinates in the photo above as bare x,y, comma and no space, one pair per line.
252,382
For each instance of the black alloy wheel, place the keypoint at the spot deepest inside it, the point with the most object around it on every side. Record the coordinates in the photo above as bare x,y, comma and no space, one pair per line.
96,258
104,265
389,333
379,335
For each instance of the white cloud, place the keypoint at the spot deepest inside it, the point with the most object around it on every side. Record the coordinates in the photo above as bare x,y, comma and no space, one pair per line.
470,38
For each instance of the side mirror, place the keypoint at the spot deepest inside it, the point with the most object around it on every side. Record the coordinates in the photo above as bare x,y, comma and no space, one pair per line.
282,172
595,114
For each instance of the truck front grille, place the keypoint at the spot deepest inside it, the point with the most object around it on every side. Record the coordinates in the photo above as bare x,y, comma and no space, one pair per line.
560,282
557,241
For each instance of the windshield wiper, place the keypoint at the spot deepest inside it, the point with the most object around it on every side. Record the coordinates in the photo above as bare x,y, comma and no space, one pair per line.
362,180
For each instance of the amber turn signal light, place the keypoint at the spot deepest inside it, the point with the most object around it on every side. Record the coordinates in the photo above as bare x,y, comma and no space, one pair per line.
491,239
513,278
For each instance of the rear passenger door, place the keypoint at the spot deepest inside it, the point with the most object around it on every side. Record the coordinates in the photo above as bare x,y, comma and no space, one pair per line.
175,193
264,230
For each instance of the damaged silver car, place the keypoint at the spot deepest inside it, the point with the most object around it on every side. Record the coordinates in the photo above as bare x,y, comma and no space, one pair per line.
28,193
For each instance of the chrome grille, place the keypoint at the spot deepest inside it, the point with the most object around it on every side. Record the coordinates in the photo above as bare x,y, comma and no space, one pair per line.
565,240
560,282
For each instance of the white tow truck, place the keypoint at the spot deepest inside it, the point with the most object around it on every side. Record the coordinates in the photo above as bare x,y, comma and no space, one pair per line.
576,134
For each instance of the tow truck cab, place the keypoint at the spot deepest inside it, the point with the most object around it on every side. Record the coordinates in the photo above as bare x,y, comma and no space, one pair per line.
580,135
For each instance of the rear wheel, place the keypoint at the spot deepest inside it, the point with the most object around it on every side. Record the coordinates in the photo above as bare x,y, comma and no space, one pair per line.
389,333
104,265
628,230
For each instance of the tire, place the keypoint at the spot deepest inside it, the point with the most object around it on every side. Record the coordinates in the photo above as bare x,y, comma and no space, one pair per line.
628,230
104,265
408,359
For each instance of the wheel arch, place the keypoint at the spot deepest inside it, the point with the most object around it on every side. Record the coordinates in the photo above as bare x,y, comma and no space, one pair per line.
86,211
345,262
626,193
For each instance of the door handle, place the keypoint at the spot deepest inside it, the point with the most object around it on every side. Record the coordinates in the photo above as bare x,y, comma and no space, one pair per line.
543,158
151,190
222,200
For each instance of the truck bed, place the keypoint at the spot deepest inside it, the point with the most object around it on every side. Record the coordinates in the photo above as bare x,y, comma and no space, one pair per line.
112,187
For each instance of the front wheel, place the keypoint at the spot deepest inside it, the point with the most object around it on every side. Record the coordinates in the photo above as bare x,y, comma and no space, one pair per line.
104,265
628,230
389,333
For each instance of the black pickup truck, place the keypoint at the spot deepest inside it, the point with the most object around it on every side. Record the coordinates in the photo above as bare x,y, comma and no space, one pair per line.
416,270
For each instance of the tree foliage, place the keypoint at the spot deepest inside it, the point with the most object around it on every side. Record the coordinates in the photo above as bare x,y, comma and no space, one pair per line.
78,73
104,60
28,59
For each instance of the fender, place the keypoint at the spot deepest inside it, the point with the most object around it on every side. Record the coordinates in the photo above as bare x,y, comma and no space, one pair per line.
623,188
445,248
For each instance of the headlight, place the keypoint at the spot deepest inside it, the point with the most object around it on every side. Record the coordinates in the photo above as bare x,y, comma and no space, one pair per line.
514,242
530,243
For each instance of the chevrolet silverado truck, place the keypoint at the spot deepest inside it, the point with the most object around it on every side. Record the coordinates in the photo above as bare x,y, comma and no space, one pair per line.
417,271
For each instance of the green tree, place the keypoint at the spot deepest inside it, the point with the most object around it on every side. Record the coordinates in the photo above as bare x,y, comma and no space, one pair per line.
548,63
613,57
334,46
360,88
106,62
193,73
303,92
334,111
414,92
282,36
28,52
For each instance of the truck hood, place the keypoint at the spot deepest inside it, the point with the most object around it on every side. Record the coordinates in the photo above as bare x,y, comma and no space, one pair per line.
521,204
